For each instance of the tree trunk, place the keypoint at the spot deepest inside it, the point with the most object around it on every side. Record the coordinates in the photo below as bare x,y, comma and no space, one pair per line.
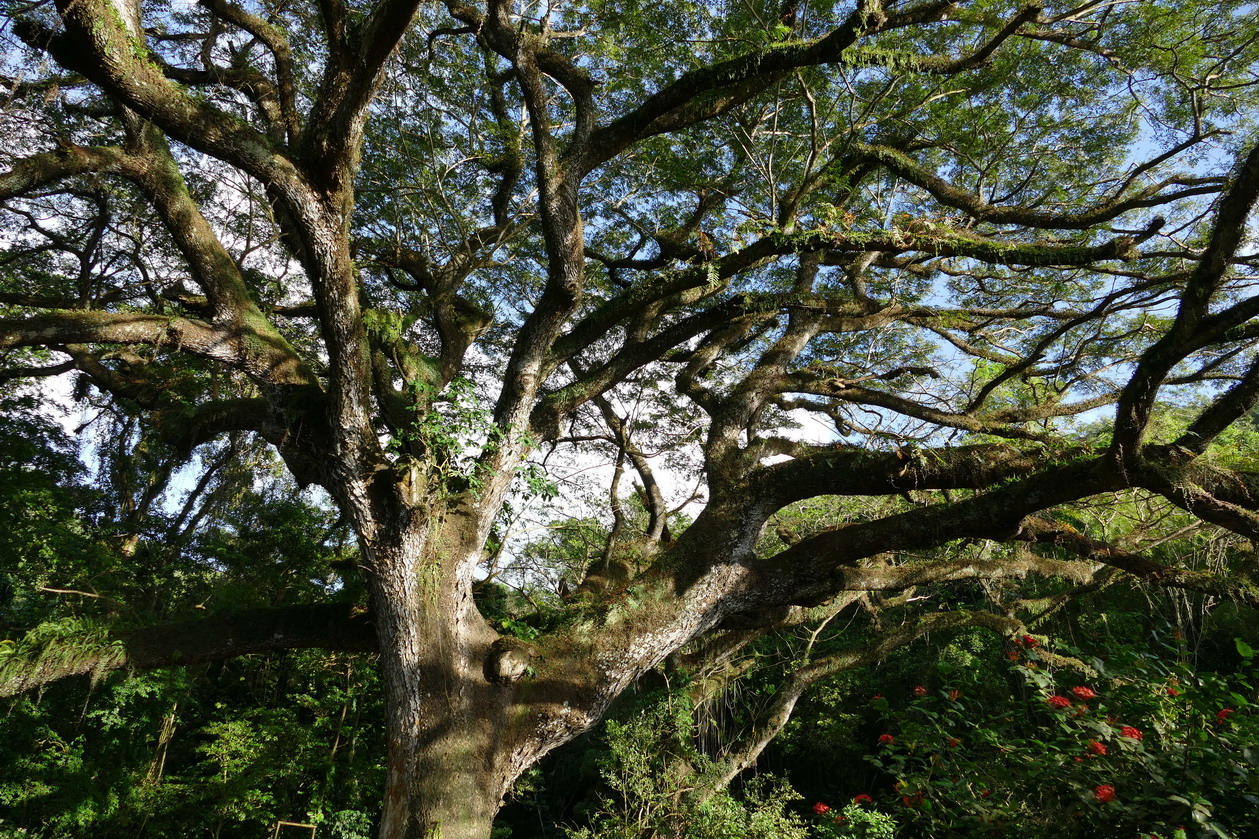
444,717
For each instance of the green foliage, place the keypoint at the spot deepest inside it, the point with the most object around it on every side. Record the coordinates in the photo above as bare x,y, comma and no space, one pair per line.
658,782
59,646
1141,742
855,821
346,824
293,737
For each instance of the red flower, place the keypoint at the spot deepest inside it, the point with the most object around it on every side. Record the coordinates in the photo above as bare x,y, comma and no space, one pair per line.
1173,692
985,793
875,698
1131,733
1030,642
920,691
1223,714
953,742
1104,793
1078,759
886,738
841,819
820,808
954,694
1097,748
1059,702
1013,655
862,798
1083,692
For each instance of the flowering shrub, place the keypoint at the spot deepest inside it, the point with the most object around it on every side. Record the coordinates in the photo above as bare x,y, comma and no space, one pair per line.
1045,765
854,822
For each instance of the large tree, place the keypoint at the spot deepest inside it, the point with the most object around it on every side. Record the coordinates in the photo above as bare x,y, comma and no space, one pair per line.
410,244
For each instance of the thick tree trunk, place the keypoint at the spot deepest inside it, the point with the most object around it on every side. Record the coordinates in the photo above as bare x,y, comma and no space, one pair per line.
445,718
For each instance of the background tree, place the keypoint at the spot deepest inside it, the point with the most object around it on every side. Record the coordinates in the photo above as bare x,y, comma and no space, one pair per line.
408,246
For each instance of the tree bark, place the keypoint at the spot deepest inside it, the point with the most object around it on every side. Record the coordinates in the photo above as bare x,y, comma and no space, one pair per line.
444,715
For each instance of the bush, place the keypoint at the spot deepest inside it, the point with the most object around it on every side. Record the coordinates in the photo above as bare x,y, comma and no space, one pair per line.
1143,745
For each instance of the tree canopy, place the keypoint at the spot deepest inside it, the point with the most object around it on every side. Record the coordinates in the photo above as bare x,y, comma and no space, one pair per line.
980,260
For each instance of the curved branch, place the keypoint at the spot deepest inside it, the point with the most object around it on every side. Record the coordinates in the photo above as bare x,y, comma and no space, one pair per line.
277,42
822,564
68,160
844,470
1228,586
978,209
707,92
99,44
776,716
1136,402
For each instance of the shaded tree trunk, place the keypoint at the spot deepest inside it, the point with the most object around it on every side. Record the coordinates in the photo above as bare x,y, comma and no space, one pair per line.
445,717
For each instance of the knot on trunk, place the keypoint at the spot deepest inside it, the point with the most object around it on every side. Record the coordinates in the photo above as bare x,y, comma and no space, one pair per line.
508,660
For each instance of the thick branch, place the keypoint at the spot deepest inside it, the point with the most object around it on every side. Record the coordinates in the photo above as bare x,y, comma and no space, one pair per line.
1186,334
78,326
221,636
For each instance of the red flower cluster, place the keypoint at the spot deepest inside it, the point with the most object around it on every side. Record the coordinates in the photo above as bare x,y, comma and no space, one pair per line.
1083,692
1173,692
1097,748
1059,702
1013,655
1223,714
1131,733
953,742
912,800
821,809
1029,642
1104,793
954,695
886,738
920,691
862,798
